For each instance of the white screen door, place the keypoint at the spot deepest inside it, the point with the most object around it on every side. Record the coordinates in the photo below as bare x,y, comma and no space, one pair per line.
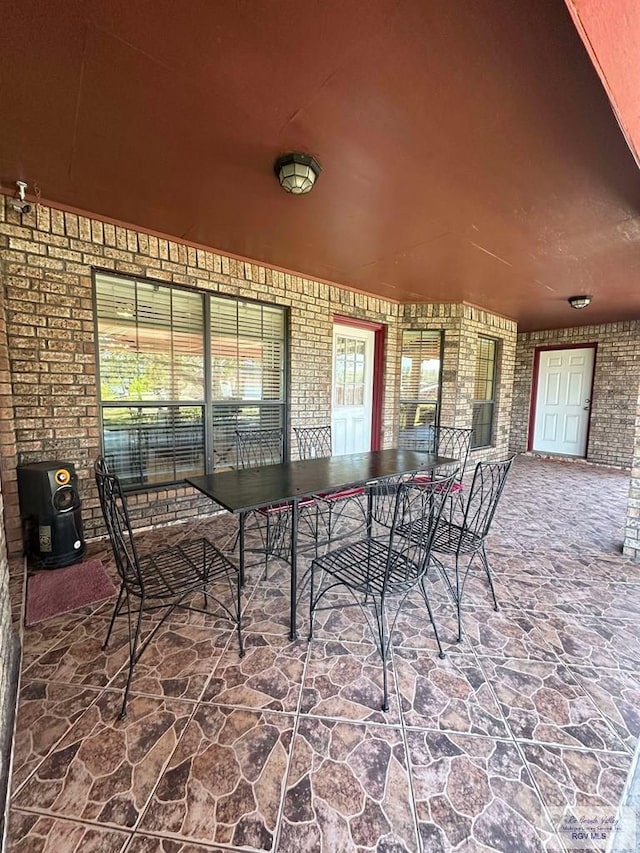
352,406
563,401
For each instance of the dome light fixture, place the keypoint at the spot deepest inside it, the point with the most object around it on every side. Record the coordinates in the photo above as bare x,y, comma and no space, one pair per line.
296,172
579,301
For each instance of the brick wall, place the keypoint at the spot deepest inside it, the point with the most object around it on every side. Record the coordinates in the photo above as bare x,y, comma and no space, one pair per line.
631,545
615,390
463,325
9,647
48,261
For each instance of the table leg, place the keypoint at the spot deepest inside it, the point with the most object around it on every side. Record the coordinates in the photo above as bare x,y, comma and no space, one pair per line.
293,632
243,517
370,509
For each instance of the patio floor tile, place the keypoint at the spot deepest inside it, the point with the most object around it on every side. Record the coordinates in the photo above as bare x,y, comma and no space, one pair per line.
450,694
78,657
590,639
269,677
542,702
578,784
344,680
178,661
476,794
104,770
508,633
225,782
141,843
46,712
616,694
33,833
348,789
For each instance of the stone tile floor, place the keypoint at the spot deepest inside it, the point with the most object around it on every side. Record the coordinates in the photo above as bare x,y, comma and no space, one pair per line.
531,720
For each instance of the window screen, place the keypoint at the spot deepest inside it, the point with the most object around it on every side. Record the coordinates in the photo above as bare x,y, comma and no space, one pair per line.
419,388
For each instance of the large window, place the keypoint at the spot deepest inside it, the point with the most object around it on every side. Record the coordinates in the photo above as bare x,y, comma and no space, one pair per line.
180,371
419,387
484,393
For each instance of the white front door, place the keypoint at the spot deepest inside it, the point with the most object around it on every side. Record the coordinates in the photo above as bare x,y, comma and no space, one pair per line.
352,406
563,401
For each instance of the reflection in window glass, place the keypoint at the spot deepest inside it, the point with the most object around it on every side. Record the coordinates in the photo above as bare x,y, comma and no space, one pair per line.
349,367
420,368
484,393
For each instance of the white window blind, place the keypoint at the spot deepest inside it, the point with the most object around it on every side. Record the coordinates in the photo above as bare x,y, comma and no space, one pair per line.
162,418
419,388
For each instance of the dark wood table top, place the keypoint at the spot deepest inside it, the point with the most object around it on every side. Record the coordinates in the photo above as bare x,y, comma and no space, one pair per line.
245,489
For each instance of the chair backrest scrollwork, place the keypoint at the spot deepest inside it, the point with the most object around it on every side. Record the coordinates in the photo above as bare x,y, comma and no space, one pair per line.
116,517
416,515
259,447
313,442
488,484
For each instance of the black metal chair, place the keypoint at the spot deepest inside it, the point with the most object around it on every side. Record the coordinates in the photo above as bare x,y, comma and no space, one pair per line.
454,442
380,570
257,448
463,534
166,579
313,443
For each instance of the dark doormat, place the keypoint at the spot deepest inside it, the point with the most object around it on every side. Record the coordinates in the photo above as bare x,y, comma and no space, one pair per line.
56,591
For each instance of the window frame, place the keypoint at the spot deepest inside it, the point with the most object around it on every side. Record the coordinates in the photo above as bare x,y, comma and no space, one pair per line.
208,403
437,402
493,400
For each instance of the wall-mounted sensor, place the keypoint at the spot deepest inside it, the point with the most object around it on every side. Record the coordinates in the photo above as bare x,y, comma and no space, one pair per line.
20,203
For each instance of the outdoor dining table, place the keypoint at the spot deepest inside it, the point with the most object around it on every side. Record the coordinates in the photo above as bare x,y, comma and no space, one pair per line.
247,489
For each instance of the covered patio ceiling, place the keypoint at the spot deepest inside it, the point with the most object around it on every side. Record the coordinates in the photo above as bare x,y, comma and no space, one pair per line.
469,150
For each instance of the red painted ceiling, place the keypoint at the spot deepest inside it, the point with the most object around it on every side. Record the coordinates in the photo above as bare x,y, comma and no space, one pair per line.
469,150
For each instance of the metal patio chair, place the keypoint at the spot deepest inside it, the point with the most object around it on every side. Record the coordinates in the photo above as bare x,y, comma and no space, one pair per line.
314,442
163,580
463,534
454,442
257,448
379,571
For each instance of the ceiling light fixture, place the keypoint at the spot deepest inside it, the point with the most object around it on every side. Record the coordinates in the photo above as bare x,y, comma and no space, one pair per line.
579,301
297,173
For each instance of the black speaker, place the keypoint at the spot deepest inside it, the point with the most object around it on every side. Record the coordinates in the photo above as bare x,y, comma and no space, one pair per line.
50,508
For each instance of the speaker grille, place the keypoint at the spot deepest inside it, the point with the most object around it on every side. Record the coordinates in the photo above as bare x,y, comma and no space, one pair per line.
64,499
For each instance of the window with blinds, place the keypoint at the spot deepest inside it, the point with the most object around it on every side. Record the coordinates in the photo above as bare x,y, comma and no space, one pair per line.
180,371
420,376
484,393
247,372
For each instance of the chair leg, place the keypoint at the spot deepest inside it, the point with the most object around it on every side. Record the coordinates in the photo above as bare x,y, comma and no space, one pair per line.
239,613
458,600
113,617
485,563
384,654
267,547
311,601
423,589
132,658
206,575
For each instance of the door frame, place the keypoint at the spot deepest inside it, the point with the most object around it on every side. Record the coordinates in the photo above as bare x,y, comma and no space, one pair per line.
534,388
378,330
